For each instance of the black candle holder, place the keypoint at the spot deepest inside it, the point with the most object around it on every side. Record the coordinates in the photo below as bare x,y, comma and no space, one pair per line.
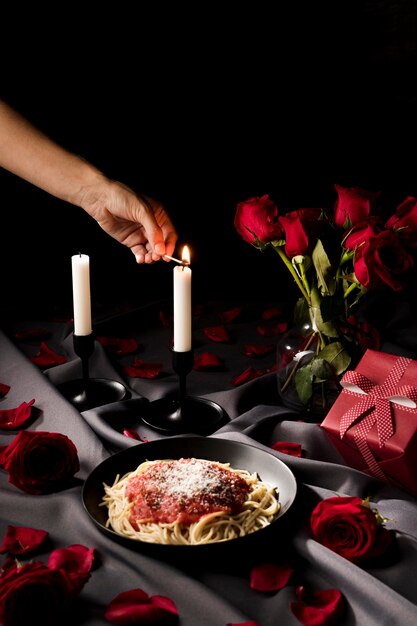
87,393
184,414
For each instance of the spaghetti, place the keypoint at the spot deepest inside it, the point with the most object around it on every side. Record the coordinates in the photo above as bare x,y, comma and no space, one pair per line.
188,501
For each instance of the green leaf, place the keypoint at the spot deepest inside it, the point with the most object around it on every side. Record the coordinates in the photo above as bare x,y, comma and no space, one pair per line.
321,370
301,313
303,381
335,354
326,328
325,279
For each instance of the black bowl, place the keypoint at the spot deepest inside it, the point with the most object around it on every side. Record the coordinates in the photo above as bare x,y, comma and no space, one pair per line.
240,456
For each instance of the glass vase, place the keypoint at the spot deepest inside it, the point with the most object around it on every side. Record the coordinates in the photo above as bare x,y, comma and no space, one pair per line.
296,348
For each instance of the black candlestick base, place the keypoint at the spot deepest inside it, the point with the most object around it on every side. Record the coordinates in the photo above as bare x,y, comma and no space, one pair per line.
192,415
86,395
186,414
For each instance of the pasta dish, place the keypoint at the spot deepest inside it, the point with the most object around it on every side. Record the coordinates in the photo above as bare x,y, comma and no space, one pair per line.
188,501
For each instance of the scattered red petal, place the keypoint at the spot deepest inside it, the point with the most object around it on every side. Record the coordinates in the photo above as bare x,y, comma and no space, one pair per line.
272,312
75,562
47,357
318,608
31,333
207,361
4,390
128,432
167,319
257,350
288,447
141,369
230,315
272,331
198,310
270,576
119,346
10,419
217,333
273,368
22,540
249,374
136,607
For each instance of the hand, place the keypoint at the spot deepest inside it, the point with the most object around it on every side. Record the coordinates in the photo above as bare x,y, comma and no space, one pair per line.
138,222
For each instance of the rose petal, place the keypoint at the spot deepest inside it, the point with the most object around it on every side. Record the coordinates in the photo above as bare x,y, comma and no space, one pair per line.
22,540
207,361
272,312
128,432
230,315
248,374
288,447
198,310
217,333
257,350
10,419
4,390
141,369
75,562
318,608
270,576
167,319
31,333
46,357
119,346
272,331
136,607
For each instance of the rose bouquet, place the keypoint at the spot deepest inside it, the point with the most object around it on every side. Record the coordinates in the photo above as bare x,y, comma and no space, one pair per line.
335,256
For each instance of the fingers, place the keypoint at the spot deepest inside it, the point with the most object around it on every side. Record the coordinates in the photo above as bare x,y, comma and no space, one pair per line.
161,240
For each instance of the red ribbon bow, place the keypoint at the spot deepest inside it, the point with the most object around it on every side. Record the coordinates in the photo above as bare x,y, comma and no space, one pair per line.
376,406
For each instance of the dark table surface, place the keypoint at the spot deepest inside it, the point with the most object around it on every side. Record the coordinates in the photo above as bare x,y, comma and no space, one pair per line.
207,592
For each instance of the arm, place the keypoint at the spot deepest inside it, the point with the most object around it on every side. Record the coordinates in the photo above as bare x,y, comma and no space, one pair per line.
140,223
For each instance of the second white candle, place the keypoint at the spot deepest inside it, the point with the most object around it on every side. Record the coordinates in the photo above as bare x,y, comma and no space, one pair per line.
182,309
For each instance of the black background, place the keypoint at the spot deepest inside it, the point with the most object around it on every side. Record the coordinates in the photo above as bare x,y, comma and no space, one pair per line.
203,109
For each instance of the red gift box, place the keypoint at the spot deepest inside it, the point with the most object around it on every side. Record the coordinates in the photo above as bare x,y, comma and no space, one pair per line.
373,422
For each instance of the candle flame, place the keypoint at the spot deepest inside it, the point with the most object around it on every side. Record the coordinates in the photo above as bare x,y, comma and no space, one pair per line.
185,255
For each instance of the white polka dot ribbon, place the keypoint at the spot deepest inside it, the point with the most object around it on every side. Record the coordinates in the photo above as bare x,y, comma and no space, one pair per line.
375,405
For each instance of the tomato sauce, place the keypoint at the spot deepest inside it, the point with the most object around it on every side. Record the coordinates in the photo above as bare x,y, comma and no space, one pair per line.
184,490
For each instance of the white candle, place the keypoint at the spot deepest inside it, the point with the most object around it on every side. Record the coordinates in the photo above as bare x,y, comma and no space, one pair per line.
182,306
81,294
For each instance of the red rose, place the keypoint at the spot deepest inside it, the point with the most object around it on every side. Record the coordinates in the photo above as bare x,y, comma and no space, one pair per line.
404,222
39,462
257,218
362,232
349,527
382,262
32,594
353,205
300,230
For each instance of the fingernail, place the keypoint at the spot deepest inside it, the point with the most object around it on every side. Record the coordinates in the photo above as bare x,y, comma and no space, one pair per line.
160,248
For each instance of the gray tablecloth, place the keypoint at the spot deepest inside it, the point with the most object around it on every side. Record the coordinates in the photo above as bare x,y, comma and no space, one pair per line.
219,594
